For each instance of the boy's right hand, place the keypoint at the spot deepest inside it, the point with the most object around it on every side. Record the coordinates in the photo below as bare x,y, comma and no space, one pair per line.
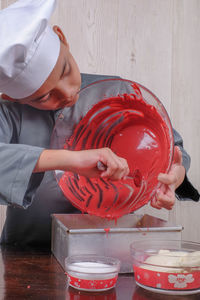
84,163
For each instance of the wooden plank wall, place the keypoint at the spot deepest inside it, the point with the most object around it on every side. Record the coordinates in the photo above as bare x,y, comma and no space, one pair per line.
154,42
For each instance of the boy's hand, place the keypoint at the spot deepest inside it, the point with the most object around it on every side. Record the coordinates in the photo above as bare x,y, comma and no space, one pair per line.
165,197
85,163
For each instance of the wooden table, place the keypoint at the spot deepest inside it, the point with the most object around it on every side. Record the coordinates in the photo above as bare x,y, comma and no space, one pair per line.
35,274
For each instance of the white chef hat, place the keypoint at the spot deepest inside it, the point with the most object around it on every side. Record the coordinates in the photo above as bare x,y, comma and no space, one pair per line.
29,48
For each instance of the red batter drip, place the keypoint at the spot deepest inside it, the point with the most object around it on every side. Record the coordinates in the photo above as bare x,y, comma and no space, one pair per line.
107,230
134,130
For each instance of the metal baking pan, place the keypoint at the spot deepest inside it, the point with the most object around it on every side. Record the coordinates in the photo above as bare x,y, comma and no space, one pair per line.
74,234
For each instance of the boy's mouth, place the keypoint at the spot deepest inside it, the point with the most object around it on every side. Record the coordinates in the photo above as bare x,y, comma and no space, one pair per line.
70,101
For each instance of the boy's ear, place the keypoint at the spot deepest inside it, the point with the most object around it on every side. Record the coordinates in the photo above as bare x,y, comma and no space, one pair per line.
6,97
60,34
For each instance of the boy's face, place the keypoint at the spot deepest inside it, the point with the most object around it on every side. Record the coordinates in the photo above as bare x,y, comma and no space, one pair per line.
62,87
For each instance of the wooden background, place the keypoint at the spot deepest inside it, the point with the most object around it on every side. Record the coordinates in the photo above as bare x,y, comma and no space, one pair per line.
156,43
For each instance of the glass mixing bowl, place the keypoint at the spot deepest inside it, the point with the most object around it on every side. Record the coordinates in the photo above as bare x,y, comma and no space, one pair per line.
128,118
167,266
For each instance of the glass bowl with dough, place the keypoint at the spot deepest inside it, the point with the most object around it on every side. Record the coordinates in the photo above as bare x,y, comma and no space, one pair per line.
167,266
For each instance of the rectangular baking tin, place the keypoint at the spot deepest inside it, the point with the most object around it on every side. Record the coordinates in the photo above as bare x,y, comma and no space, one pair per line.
74,234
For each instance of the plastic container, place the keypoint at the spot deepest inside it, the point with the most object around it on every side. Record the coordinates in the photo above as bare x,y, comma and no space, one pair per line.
167,266
92,272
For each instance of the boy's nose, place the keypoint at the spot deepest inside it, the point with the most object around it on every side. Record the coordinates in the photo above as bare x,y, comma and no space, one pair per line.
64,91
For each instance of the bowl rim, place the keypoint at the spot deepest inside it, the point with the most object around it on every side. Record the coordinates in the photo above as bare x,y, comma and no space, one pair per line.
142,246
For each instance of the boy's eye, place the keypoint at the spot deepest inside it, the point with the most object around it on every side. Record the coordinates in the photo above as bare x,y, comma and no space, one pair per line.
42,99
45,98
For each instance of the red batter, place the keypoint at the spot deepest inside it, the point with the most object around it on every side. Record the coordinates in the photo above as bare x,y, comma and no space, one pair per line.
107,230
134,130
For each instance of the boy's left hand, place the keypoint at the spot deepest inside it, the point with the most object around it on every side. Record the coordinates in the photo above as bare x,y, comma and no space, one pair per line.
165,196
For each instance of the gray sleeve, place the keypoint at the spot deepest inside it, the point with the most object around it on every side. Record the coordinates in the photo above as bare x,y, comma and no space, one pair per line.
186,191
17,162
178,141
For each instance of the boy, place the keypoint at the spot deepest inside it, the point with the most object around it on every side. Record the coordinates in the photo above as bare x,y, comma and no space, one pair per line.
38,77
